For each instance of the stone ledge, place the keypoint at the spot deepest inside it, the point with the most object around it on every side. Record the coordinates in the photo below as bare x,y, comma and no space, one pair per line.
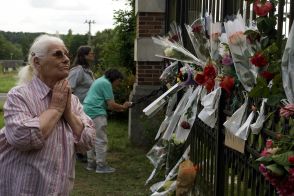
145,50
150,6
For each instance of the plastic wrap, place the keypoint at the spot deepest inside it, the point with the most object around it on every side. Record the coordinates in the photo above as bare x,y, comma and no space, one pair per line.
257,126
182,133
288,67
177,114
237,42
210,103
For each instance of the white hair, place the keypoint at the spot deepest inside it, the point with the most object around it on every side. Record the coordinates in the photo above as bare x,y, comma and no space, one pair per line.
39,48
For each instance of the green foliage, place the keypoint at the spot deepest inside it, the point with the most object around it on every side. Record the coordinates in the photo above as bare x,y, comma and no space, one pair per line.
125,34
7,81
122,92
8,50
21,40
73,42
274,93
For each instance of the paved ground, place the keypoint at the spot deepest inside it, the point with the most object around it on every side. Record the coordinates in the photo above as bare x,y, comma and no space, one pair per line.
2,96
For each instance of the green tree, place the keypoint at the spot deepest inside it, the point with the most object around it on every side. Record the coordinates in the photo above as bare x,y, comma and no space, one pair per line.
73,42
9,50
115,47
125,34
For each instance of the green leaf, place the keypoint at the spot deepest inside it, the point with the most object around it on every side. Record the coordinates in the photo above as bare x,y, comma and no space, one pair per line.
276,169
260,90
282,159
264,159
275,99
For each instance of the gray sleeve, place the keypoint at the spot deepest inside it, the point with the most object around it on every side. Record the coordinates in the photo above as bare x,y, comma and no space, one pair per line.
75,77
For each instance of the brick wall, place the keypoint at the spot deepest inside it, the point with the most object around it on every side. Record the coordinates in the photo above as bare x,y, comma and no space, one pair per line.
148,73
150,24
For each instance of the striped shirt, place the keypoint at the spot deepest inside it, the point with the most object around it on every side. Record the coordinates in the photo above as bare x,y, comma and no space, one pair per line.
30,165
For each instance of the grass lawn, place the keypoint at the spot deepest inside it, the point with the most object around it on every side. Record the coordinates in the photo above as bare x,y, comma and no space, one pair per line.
7,81
132,168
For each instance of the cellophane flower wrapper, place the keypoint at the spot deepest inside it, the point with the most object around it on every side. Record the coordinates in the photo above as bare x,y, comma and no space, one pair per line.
160,102
157,156
214,35
175,51
171,175
234,123
170,189
237,42
177,114
257,126
288,67
197,35
190,75
169,74
243,131
181,133
210,103
169,112
176,31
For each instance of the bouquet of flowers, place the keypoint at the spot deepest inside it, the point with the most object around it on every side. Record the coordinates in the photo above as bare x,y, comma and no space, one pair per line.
277,164
240,52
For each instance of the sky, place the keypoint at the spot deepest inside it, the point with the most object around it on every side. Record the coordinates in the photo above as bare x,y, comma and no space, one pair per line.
58,16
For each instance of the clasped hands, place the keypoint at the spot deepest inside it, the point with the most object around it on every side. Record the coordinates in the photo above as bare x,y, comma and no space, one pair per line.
61,99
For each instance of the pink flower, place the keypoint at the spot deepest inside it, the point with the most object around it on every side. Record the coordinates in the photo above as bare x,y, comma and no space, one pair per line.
287,111
215,36
237,38
227,60
262,168
269,143
264,153
262,9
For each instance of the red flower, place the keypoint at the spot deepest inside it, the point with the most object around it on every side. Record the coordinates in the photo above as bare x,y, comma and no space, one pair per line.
291,159
209,84
185,125
197,28
259,60
267,75
227,84
174,38
262,9
209,71
200,78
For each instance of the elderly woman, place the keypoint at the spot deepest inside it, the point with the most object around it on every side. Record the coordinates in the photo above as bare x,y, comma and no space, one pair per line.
44,126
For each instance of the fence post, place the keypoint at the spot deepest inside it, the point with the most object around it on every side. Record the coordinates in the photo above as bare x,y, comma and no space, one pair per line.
220,165
291,14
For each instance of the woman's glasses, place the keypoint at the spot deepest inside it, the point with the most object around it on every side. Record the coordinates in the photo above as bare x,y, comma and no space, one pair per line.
60,54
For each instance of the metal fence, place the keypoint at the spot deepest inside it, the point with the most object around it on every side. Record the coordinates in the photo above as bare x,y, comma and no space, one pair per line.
225,171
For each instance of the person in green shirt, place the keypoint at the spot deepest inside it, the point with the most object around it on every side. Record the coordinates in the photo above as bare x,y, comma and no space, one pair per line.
100,98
